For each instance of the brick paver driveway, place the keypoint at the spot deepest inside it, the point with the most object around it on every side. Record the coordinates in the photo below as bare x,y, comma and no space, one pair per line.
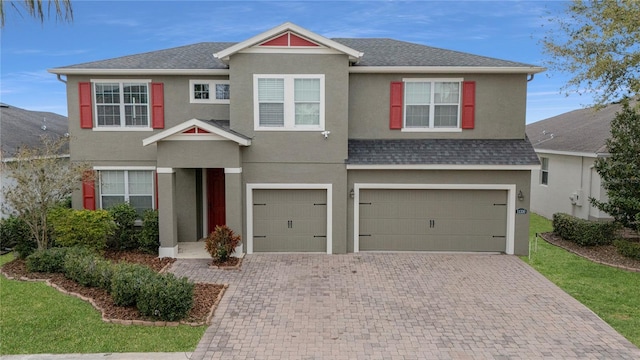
397,306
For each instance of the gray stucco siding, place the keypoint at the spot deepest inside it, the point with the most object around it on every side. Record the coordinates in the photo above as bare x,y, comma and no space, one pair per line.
198,154
500,107
521,179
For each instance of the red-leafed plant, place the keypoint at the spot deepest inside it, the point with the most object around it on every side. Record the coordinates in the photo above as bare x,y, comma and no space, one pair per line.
221,243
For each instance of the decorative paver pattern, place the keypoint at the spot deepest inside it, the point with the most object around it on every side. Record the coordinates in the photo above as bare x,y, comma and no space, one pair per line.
397,306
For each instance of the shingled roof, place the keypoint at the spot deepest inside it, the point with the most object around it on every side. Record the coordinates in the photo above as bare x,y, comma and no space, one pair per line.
377,52
441,152
583,130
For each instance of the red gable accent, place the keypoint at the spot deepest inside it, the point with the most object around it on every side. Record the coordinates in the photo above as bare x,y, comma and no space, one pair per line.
282,40
190,131
298,41
195,130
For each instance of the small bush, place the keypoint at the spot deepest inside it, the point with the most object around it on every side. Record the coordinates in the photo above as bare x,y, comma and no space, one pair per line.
166,297
126,282
149,238
87,228
87,268
628,248
221,243
584,232
15,234
124,237
48,261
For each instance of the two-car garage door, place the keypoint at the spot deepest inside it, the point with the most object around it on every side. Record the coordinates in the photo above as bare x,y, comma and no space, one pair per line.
432,220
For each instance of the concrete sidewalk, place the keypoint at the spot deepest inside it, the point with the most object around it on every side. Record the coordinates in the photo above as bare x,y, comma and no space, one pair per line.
103,356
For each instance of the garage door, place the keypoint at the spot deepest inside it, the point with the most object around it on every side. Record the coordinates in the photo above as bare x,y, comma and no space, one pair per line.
289,221
433,220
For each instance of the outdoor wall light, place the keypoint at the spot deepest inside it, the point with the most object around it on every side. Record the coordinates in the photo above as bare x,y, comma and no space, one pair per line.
520,195
352,194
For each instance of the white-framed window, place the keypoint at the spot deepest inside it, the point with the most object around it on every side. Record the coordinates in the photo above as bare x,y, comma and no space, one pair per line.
432,104
133,186
544,171
288,102
121,104
209,91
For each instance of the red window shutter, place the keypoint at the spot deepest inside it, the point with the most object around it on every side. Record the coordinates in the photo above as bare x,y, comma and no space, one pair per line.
157,105
395,110
84,91
89,191
468,104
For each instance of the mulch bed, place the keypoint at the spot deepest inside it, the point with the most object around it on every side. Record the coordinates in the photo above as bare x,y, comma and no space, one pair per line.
602,254
206,296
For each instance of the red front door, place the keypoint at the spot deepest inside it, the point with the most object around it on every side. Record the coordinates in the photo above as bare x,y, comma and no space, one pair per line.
215,198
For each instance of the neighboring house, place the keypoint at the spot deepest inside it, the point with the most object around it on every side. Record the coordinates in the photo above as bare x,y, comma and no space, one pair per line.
20,127
568,146
302,143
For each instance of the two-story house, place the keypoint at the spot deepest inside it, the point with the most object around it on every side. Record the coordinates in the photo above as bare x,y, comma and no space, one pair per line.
302,143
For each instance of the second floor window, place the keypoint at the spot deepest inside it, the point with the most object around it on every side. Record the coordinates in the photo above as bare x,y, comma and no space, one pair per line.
210,91
289,102
432,103
122,104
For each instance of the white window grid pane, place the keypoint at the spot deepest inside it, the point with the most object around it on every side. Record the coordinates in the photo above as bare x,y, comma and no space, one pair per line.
447,92
307,114
271,115
223,92
108,115
417,116
271,90
307,90
135,93
140,182
136,115
107,93
201,91
445,116
112,182
418,93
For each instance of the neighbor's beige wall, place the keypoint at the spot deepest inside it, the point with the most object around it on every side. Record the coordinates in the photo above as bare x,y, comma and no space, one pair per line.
500,107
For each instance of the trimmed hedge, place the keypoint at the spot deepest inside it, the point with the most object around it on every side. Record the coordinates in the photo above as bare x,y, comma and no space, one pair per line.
15,234
88,268
166,297
584,232
88,228
126,282
149,238
628,248
48,261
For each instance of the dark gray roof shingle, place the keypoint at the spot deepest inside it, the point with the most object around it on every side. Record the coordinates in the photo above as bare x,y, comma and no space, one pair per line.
583,130
20,127
224,125
441,152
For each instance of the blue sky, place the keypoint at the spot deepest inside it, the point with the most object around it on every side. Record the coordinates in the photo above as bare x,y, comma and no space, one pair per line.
508,30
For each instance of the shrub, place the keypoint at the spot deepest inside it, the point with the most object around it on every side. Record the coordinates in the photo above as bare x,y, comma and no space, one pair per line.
584,232
124,237
87,268
126,282
166,297
628,248
49,261
221,243
149,239
15,234
87,228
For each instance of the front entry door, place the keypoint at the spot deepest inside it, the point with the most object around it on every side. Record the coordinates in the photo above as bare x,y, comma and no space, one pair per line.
215,198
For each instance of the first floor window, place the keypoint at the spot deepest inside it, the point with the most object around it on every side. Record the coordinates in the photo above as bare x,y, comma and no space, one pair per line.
132,186
122,104
210,91
544,171
289,102
432,103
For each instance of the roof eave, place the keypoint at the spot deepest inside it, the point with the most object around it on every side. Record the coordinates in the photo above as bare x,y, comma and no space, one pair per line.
448,69
440,167
75,71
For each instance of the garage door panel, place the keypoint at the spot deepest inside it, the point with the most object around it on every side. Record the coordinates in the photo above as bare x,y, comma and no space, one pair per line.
433,220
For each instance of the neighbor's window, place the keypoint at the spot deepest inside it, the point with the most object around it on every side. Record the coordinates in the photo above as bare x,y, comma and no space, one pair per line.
432,103
289,102
122,104
132,186
209,91
544,171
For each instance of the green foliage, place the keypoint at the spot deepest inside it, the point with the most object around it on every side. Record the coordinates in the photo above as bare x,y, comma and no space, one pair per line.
620,172
125,236
596,42
87,268
149,238
166,297
221,243
628,248
82,227
48,261
15,234
584,232
126,282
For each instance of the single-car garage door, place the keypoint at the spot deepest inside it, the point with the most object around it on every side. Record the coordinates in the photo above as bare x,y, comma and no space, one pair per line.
289,220
433,220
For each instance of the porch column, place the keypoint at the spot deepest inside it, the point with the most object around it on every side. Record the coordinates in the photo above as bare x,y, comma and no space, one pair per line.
167,215
233,203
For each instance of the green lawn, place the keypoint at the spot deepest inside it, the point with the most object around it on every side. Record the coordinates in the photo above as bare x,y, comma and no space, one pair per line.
611,293
35,318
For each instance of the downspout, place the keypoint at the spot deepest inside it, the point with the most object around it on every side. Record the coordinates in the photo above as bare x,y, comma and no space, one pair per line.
60,78
530,77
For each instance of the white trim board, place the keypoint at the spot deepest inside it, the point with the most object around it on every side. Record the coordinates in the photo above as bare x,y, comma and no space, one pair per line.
440,167
511,204
571,153
285,186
